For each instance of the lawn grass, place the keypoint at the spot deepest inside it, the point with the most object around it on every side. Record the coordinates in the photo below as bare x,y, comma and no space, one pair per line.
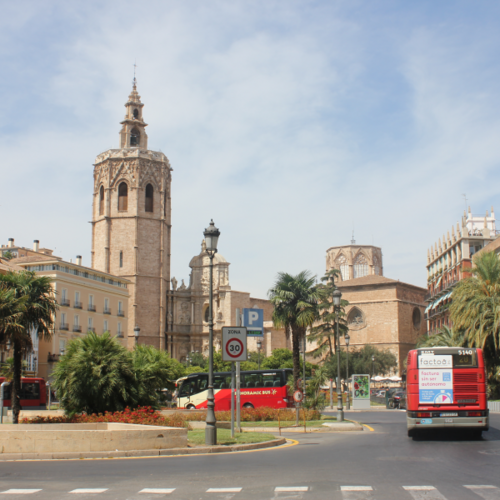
197,437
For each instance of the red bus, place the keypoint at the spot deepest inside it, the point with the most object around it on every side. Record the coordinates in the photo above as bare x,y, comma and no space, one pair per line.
446,388
257,388
33,393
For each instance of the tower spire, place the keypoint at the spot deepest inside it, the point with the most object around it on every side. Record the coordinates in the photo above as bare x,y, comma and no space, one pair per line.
133,133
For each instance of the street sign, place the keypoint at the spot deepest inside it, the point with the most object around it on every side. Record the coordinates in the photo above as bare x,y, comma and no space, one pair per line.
253,319
298,396
234,343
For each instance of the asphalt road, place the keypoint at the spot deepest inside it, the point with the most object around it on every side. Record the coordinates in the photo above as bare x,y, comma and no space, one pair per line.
379,464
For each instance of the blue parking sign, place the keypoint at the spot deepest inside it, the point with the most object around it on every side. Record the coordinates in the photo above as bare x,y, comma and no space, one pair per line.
253,319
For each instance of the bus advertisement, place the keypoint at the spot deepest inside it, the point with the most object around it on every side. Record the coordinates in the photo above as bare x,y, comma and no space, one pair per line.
446,388
257,388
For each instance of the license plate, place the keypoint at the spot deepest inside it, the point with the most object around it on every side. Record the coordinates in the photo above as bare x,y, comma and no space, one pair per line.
426,421
449,414
448,420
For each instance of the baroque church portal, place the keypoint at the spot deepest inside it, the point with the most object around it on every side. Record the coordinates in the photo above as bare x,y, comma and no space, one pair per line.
131,223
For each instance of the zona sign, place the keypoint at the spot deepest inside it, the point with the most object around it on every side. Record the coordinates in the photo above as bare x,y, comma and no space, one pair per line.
234,343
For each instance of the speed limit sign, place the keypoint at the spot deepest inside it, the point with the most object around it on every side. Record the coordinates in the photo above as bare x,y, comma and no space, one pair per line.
234,343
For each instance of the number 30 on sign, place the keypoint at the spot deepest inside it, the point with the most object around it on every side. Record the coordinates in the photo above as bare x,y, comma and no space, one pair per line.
234,343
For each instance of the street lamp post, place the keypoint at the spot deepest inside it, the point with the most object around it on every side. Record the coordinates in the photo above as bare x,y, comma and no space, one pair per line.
211,234
137,332
337,295
259,347
347,338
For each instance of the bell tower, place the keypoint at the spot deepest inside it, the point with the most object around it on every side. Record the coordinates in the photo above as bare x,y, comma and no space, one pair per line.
131,223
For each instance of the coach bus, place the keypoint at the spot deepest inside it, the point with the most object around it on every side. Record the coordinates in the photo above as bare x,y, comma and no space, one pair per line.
257,388
446,388
33,393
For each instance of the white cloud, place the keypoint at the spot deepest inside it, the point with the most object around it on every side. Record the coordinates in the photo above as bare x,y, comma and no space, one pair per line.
286,123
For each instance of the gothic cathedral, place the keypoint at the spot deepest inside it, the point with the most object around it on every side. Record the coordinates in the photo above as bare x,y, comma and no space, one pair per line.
131,223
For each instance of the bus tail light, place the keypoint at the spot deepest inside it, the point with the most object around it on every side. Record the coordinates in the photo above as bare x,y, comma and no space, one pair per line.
423,414
474,414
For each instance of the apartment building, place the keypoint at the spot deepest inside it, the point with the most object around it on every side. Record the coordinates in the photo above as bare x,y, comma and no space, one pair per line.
89,300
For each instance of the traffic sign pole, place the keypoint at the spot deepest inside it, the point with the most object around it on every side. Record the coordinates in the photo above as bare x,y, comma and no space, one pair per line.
232,399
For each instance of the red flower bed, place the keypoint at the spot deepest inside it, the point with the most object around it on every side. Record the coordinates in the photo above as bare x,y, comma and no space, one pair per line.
148,416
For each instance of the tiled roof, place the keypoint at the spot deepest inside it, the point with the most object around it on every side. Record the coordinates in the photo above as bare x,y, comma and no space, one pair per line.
6,266
32,258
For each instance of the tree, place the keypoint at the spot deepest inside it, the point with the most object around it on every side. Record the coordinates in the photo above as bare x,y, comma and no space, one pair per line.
324,332
446,337
475,311
197,359
36,315
7,370
8,255
154,370
295,300
283,358
96,374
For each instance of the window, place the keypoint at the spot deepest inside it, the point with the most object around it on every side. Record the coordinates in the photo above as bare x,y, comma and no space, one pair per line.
106,304
149,198
63,294
136,113
416,318
101,201
121,259
341,263
207,312
105,325
76,321
62,346
63,319
90,323
123,197
119,330
260,380
135,137
120,309
355,318
360,266
194,385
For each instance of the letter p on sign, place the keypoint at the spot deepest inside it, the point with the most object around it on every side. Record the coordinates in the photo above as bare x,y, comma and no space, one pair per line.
253,319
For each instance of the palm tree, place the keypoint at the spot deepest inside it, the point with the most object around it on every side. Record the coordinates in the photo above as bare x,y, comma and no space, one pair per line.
324,333
95,375
446,337
475,309
295,300
37,308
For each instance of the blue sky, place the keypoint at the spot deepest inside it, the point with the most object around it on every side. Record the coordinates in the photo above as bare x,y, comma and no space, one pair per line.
288,123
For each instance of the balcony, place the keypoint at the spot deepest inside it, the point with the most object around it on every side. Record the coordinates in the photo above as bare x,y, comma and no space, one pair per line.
64,326
91,329
65,302
107,311
119,335
91,308
121,314
440,289
104,330
77,328
53,358
77,305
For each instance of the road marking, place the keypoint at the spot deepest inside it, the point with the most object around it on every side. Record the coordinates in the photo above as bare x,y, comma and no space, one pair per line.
224,490
369,428
356,488
161,491
486,491
424,492
20,492
282,489
89,490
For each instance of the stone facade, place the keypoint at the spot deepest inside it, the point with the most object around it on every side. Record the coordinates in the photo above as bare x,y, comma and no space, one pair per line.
384,313
131,223
355,261
187,318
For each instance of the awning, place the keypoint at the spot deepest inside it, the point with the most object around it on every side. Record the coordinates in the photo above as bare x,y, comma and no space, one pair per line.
439,281
428,307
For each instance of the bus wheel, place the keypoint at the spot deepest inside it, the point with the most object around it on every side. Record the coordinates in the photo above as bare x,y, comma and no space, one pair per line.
191,407
411,433
248,405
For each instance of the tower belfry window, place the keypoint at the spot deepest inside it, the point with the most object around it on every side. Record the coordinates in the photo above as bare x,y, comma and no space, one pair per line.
123,197
149,198
135,137
101,201
136,113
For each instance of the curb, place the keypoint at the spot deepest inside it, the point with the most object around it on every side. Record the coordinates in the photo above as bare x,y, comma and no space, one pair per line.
140,453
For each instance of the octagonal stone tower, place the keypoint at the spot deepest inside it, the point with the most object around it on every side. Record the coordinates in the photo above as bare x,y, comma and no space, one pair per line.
131,223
